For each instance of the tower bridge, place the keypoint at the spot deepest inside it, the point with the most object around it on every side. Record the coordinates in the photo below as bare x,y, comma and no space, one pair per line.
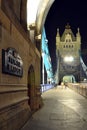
20,58
69,58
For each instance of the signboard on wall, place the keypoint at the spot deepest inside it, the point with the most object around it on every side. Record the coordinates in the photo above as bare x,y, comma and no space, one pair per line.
12,62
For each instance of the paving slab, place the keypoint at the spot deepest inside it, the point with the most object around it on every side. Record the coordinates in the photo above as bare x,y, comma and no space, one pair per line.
63,109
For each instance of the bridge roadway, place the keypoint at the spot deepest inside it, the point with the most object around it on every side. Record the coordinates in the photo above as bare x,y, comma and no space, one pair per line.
63,109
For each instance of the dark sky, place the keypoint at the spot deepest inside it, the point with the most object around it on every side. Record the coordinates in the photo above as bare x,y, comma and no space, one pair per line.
62,12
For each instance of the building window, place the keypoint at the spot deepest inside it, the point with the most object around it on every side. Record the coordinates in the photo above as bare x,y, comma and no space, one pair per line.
66,46
69,40
66,40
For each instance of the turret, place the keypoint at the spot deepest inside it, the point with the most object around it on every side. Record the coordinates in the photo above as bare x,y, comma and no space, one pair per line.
57,38
78,37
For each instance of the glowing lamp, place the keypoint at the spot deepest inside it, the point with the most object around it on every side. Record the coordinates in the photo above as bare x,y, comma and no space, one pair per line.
68,59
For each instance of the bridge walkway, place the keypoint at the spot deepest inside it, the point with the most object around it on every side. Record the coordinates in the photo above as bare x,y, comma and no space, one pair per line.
63,109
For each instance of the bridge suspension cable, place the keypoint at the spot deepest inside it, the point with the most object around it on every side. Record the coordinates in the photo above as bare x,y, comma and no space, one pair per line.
46,59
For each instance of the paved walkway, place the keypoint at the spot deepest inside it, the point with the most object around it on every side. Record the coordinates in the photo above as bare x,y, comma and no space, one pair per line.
63,110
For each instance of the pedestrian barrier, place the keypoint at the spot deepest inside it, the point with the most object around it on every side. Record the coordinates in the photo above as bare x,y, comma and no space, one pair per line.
80,88
45,87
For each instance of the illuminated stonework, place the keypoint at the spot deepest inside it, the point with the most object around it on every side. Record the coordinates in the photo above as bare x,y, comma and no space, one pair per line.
68,47
37,12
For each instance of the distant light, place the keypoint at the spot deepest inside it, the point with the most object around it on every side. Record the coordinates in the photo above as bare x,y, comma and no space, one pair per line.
43,54
68,59
46,40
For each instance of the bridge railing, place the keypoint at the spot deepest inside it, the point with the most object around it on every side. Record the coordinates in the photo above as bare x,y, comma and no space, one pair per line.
45,87
80,88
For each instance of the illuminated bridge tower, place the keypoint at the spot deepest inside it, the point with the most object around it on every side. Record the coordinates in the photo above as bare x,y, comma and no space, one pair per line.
67,50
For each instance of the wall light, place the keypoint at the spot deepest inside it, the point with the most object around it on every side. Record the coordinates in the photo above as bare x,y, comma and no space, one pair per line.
68,59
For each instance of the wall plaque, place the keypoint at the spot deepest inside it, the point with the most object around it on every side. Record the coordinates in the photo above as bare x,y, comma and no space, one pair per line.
12,62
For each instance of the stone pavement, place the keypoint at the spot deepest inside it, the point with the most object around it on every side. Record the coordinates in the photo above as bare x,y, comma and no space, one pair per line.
63,109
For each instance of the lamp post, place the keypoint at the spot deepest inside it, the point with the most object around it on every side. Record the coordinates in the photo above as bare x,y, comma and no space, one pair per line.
42,67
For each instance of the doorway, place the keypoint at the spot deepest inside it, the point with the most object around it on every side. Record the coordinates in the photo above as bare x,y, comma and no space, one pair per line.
31,87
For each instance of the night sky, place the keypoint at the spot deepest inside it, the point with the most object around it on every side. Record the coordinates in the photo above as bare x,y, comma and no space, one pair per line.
62,12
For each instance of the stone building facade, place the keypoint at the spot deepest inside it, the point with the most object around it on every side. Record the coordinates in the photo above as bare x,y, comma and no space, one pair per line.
19,67
68,47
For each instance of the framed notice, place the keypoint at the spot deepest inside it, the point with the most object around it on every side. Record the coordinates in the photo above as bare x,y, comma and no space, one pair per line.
12,62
